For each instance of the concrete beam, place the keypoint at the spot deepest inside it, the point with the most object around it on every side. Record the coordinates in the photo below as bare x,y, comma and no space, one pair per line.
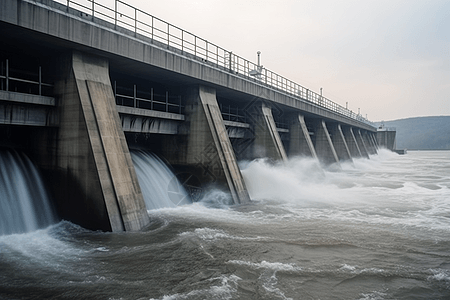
208,143
267,139
324,145
97,178
300,140
339,143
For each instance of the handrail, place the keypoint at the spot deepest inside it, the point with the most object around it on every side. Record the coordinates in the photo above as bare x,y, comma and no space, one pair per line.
142,23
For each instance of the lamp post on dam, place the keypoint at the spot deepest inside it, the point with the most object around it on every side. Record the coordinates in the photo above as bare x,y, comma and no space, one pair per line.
108,81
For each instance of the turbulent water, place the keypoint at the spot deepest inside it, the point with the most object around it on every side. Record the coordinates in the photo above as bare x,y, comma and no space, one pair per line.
374,229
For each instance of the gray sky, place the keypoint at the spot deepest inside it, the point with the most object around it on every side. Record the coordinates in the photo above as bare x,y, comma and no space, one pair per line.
390,58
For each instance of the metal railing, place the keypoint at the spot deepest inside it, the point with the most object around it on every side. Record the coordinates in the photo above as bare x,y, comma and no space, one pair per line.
142,23
23,81
147,99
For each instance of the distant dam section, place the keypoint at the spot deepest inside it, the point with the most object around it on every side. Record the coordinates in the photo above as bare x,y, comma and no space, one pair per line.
82,84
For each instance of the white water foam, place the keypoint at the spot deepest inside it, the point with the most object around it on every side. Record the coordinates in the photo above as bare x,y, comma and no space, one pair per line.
382,190
225,291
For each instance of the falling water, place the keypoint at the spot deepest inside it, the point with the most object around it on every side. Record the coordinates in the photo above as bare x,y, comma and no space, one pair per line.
24,204
159,185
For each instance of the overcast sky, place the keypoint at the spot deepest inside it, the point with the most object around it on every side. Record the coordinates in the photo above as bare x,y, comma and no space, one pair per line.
390,58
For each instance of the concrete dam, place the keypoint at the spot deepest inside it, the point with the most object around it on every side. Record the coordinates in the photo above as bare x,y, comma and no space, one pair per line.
82,84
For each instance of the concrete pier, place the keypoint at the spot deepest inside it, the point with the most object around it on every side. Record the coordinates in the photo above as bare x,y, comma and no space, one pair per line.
267,139
96,175
361,144
339,143
351,142
300,140
324,145
208,143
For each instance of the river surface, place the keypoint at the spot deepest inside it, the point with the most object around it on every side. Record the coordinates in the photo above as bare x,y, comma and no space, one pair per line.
374,229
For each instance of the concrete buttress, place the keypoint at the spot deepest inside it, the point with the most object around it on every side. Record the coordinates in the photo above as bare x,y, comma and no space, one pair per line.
267,139
99,182
209,145
352,144
362,144
339,143
300,141
324,145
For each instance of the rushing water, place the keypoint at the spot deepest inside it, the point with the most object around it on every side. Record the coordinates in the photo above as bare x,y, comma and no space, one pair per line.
376,229
159,185
24,203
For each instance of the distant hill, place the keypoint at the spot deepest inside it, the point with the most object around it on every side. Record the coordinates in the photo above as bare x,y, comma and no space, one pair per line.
422,133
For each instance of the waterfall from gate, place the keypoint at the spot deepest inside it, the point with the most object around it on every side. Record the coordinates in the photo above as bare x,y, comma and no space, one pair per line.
24,202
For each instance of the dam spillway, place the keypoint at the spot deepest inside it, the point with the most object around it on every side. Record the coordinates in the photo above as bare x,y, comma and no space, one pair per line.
82,91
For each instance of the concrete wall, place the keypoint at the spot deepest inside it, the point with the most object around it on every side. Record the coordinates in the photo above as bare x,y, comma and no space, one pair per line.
386,139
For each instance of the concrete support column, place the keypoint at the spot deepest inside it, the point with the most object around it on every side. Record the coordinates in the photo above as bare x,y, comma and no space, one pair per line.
300,141
351,142
208,143
362,144
267,139
339,143
324,145
369,143
97,179
374,139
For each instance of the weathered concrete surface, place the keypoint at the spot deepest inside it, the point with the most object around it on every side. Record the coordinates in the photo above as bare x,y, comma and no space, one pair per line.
93,159
267,139
300,141
324,145
25,109
339,143
351,142
208,143
361,144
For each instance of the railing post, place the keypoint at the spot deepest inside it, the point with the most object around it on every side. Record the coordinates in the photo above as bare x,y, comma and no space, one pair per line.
115,90
134,97
168,35
7,75
152,27
182,40
40,80
68,3
195,45
231,54
167,101
115,14
135,22
93,9
151,98
206,50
